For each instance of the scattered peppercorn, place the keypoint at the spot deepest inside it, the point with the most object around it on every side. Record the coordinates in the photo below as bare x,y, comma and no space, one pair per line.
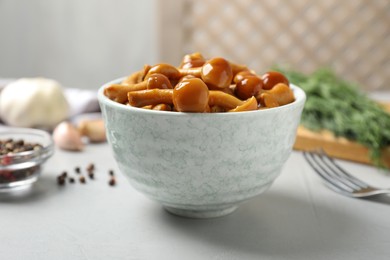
91,167
112,182
61,180
82,179
64,176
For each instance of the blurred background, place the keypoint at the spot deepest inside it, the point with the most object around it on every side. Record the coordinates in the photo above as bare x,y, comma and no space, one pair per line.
86,43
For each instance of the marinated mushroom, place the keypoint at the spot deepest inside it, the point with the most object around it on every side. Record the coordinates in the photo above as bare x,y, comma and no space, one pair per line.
279,95
237,68
191,95
118,92
248,87
249,105
242,74
267,100
200,85
147,97
271,78
158,81
168,70
282,93
223,100
216,72
137,77
162,107
192,60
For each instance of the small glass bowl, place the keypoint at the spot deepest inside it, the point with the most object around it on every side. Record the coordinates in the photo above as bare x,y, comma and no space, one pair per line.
20,170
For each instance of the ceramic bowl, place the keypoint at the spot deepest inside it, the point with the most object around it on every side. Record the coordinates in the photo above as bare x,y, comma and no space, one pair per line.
20,170
201,165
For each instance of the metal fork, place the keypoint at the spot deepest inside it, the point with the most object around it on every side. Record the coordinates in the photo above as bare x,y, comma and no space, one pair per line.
337,179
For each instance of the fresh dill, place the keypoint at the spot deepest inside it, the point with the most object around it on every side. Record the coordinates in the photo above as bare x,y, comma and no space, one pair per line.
340,107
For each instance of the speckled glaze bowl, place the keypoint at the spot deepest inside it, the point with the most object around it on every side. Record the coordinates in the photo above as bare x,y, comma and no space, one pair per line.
201,165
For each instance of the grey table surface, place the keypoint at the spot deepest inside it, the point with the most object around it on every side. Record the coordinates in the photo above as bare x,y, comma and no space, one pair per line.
297,218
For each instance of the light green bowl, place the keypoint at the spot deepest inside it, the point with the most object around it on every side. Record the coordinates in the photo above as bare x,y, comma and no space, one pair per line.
201,165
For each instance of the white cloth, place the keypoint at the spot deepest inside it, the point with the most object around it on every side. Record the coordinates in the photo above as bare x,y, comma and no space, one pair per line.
81,101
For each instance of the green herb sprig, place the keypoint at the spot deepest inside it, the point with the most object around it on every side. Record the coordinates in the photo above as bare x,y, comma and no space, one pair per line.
339,106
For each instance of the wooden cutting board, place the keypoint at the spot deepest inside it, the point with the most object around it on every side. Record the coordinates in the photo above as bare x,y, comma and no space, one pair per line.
337,147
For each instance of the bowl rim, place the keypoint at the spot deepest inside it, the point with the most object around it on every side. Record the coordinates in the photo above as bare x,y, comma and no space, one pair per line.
46,151
300,98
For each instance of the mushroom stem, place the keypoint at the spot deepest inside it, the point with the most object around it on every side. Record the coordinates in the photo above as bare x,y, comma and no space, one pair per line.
146,97
222,99
280,94
118,92
137,77
248,105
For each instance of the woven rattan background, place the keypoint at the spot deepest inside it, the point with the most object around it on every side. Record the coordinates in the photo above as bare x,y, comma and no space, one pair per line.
351,36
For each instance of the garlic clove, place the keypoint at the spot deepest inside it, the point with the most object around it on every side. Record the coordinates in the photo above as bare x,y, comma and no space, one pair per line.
93,129
67,137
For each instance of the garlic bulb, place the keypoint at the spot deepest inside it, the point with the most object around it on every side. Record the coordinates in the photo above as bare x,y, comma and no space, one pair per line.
67,137
33,102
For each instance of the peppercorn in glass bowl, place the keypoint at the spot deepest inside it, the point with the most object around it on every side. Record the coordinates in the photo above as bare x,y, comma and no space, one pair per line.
22,154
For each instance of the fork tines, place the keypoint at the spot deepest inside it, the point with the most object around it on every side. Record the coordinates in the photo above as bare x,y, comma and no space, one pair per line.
334,176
